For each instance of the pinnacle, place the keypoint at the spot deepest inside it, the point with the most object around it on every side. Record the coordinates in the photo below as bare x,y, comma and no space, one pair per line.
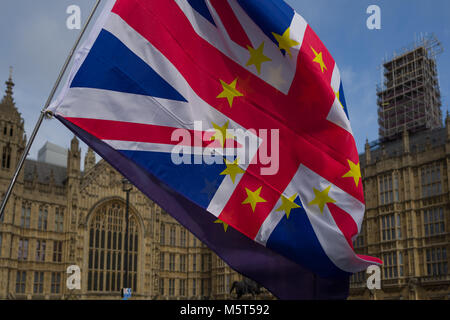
8,97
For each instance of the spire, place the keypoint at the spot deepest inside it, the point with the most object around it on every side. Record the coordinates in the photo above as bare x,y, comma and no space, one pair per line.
9,84
367,147
89,160
8,97
74,144
73,158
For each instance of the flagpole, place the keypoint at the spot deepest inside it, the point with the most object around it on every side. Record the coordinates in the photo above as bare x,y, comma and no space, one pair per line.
43,113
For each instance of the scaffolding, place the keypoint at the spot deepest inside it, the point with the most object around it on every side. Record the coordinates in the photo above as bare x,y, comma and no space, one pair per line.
409,95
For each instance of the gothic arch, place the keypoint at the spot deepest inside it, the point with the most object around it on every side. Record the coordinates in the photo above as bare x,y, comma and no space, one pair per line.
105,247
133,211
6,156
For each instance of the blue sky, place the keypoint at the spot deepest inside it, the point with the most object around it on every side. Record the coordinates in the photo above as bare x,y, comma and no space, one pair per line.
35,41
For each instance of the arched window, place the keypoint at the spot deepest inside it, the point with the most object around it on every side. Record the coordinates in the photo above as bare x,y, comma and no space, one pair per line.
107,250
6,157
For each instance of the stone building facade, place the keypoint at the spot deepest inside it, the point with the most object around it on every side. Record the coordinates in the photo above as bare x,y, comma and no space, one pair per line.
407,220
62,216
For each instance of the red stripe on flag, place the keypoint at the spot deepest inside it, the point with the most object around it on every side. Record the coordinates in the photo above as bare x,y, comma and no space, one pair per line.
344,221
309,82
231,23
128,131
348,227
311,46
241,215
370,259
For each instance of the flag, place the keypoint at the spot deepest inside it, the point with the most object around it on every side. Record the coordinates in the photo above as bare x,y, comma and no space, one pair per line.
231,116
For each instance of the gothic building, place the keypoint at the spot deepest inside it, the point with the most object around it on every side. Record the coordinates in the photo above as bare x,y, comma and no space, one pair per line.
407,191
62,216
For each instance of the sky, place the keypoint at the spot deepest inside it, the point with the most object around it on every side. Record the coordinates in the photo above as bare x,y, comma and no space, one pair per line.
35,42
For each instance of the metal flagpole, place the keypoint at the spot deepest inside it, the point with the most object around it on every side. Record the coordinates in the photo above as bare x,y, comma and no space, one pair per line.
41,117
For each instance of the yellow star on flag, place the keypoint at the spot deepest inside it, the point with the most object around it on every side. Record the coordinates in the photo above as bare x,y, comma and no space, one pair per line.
221,133
355,172
232,169
287,204
319,59
257,57
225,225
322,198
229,91
253,198
285,42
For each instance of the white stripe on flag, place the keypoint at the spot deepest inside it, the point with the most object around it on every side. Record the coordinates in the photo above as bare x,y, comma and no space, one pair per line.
338,117
140,146
337,114
167,148
336,79
81,54
274,217
116,106
226,189
328,233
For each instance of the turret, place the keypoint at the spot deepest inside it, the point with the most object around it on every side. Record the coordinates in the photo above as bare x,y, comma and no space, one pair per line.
73,179
73,159
12,138
89,160
367,147
8,99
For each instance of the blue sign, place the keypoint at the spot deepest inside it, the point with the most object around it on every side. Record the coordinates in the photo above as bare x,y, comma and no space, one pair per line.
126,293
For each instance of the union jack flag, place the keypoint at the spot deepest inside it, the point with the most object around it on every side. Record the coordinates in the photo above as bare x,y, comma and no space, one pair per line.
212,68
